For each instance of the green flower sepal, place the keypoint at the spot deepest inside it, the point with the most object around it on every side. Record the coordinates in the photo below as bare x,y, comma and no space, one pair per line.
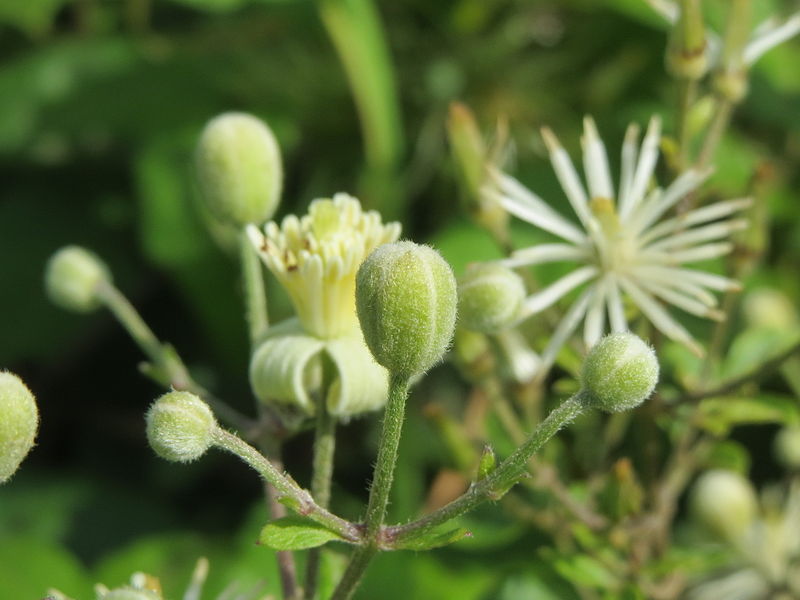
286,370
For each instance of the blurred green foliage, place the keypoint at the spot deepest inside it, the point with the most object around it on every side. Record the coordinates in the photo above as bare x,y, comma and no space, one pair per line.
100,105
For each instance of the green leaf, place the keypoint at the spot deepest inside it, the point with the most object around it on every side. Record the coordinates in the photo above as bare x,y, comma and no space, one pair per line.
433,539
295,533
584,570
719,415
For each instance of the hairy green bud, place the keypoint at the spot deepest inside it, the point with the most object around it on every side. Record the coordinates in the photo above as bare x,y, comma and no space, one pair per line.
19,420
490,297
239,168
180,427
620,372
787,447
72,276
725,502
406,303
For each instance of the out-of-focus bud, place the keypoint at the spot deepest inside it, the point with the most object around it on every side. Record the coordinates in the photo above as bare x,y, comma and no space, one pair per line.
725,502
180,427
472,157
771,309
490,297
239,169
620,372
406,303
19,420
687,52
72,277
787,447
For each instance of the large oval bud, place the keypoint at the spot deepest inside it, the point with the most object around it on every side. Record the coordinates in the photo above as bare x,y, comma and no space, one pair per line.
239,169
620,372
406,303
19,420
180,427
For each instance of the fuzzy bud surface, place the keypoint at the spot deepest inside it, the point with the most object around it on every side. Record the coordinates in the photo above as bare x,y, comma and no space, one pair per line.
620,372
406,302
180,427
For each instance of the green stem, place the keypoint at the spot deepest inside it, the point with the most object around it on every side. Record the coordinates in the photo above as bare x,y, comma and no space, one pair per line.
322,474
387,456
167,367
501,479
255,295
687,91
715,131
287,570
381,486
296,497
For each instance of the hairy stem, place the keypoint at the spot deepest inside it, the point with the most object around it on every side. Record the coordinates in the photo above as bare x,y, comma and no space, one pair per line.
501,479
289,492
322,474
381,486
167,367
255,296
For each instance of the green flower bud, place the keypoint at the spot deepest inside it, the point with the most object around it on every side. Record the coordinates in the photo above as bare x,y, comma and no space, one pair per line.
620,372
490,297
725,502
787,447
19,420
72,276
239,168
180,427
406,304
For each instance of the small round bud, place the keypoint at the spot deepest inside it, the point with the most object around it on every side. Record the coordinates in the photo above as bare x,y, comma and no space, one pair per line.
180,427
406,303
620,372
787,447
490,297
72,276
239,168
725,502
19,420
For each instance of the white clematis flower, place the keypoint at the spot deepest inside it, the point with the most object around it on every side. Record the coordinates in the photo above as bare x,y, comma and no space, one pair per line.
627,246
315,258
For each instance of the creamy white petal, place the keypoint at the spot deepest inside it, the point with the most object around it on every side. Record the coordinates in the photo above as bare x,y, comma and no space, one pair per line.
673,278
770,36
544,253
705,252
659,317
616,311
683,302
709,280
644,167
567,325
595,315
630,151
555,291
568,177
524,204
697,216
595,162
707,233
654,207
